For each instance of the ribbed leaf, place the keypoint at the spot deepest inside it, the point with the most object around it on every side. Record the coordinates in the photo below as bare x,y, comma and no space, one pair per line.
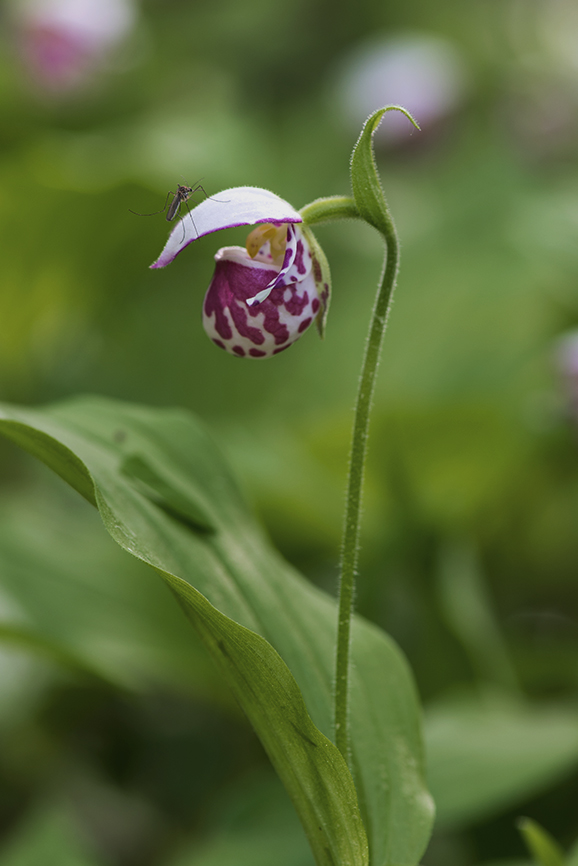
105,614
165,496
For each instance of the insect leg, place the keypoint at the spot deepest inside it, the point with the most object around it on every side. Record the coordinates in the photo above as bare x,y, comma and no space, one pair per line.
155,212
177,209
192,220
205,193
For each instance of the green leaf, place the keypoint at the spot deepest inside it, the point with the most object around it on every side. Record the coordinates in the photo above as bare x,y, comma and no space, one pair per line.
541,845
488,753
237,572
365,183
106,614
307,762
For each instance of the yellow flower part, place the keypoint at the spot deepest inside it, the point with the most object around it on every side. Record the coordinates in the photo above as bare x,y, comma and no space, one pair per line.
277,237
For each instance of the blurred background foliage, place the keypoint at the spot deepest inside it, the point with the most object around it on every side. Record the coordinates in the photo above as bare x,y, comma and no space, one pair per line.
118,743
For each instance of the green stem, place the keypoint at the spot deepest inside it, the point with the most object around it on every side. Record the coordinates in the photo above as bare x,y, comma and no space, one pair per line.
324,210
368,203
350,550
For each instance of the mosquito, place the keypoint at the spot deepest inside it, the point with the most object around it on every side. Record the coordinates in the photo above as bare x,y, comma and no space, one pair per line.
179,198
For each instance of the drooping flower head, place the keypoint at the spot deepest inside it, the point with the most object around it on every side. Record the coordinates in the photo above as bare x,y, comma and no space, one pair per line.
265,295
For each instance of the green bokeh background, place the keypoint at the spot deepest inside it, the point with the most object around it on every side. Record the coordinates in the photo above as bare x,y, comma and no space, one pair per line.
473,467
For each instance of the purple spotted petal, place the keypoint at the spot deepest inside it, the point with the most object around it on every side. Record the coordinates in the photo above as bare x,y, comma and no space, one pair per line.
262,330
240,206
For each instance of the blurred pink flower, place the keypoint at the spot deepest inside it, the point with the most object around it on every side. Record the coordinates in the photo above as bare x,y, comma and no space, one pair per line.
423,72
566,357
64,42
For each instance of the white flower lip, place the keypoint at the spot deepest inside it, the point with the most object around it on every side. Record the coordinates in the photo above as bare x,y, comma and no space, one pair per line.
239,206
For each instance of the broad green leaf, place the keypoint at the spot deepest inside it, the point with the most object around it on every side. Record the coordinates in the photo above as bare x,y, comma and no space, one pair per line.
307,762
69,593
543,847
487,753
241,595
266,689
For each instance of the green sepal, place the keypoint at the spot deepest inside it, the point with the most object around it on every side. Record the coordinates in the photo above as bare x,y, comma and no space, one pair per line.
322,277
541,845
365,183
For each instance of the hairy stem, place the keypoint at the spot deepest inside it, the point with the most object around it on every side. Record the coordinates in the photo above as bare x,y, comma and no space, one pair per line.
325,210
350,548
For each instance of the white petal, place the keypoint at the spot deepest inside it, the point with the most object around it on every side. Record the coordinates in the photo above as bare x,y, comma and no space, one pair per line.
239,206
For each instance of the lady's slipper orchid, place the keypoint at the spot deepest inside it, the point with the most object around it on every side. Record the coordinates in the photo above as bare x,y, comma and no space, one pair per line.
263,296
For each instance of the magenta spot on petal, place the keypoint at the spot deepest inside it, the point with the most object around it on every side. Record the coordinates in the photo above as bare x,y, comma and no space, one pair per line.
218,343
232,284
234,321
282,349
270,310
304,325
257,353
299,263
238,311
214,304
295,305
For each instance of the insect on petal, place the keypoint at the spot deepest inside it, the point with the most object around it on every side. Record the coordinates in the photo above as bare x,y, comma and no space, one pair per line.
239,206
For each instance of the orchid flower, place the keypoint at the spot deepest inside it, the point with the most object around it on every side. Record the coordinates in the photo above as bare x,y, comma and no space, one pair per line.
265,295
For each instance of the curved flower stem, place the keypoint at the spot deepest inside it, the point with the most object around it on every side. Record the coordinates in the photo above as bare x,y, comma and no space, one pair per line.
350,550
368,203
372,207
